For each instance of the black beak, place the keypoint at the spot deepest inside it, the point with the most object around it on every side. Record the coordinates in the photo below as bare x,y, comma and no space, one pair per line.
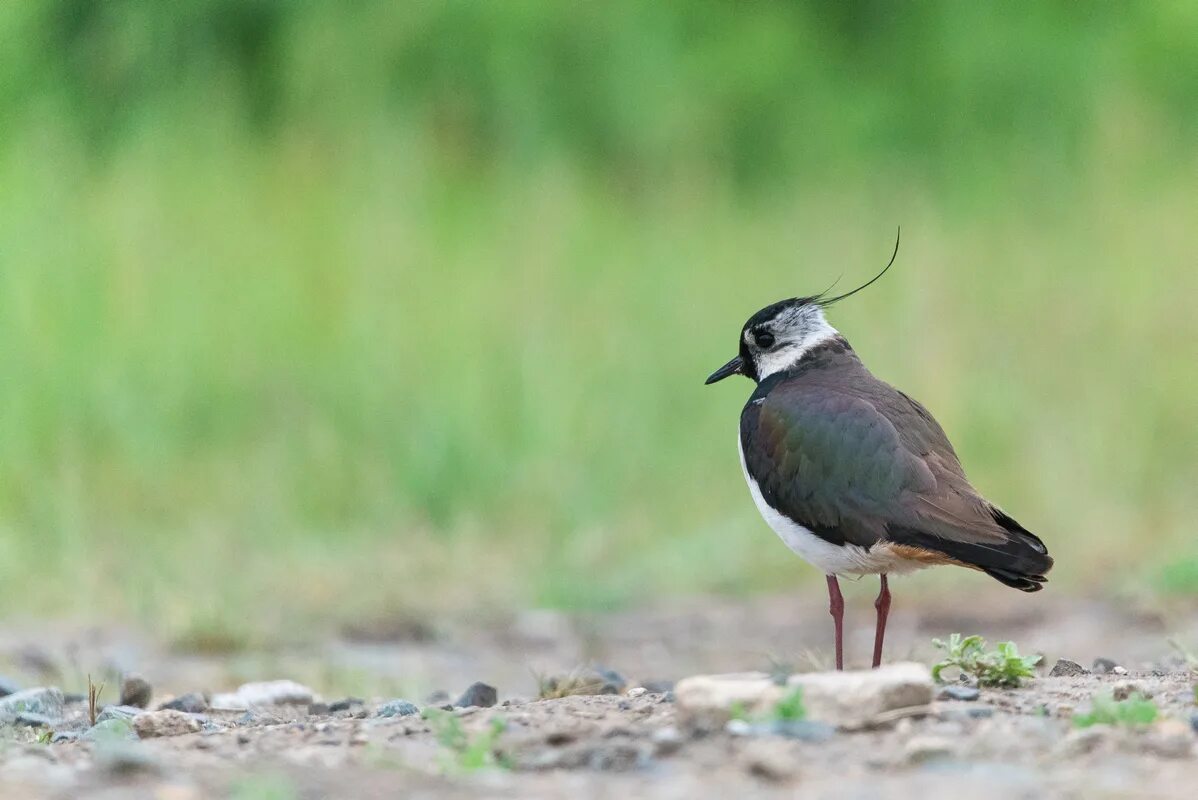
734,367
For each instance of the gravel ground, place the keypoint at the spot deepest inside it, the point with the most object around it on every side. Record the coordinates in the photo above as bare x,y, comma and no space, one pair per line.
1006,743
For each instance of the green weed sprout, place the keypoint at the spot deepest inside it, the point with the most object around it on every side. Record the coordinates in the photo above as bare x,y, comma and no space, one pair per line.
463,752
1106,710
1001,667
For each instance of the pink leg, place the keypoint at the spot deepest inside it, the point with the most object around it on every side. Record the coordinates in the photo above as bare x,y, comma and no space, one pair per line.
836,609
883,606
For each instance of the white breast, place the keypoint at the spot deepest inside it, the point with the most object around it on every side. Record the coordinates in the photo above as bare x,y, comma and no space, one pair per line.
849,559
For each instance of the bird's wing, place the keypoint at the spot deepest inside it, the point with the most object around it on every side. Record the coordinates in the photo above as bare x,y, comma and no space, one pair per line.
861,463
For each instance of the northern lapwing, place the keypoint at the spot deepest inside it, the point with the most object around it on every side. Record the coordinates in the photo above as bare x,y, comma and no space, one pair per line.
855,476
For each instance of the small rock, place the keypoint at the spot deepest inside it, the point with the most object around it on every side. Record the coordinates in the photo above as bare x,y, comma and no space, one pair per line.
62,737
8,687
772,761
850,700
1125,689
344,705
1194,721
922,749
1169,738
46,702
113,729
151,724
397,708
1064,668
190,703
658,687
667,740
738,727
265,693
318,710
1104,666
955,691
1119,670
126,713
135,691
637,691
478,694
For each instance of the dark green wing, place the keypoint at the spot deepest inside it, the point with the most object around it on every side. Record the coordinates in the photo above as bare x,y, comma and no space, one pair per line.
858,462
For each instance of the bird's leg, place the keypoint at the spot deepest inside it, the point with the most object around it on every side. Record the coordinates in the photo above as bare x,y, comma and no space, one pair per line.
883,606
836,609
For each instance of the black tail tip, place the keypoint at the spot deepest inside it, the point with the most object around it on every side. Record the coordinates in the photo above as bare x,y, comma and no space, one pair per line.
1024,583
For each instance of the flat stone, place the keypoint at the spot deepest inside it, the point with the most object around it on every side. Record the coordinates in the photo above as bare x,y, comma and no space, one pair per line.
344,705
264,693
135,691
126,713
478,694
113,729
152,724
1064,668
190,703
397,708
46,702
1103,666
848,700
957,691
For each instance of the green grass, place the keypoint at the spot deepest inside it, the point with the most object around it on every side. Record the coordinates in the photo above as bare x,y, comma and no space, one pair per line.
1106,710
281,351
967,655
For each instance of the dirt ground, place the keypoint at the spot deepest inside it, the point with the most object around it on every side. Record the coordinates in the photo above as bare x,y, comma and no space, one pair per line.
1008,743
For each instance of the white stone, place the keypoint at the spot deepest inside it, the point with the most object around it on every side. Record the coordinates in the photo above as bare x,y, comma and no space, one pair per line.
265,693
849,700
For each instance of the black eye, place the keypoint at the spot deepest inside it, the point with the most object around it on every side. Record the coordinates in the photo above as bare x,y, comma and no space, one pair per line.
764,339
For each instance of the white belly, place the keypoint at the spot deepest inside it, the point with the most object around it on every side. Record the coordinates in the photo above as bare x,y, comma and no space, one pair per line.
849,559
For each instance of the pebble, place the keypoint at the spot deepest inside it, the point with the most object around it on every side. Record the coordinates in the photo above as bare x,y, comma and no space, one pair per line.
8,687
667,740
771,761
1118,670
190,703
956,691
1104,666
62,737
637,691
47,702
122,712
478,694
344,705
151,724
922,749
1064,668
397,708
135,691
265,693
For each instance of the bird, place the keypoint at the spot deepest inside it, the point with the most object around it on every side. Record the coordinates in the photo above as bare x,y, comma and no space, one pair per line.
854,475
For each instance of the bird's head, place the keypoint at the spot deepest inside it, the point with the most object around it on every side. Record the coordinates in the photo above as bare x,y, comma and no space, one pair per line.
777,336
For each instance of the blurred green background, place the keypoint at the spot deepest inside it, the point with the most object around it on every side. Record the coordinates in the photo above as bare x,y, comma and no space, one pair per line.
311,311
